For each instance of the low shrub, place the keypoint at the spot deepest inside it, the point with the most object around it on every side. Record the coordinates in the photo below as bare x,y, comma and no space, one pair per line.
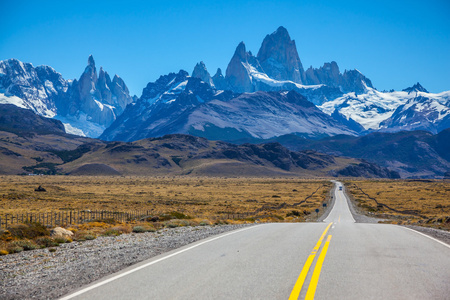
139,229
52,250
84,236
178,215
111,232
5,235
46,241
14,249
28,230
24,244
293,213
122,228
89,237
166,217
3,252
204,223
62,240
171,225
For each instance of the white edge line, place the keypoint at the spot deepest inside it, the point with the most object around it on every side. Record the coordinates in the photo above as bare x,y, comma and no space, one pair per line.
426,235
148,264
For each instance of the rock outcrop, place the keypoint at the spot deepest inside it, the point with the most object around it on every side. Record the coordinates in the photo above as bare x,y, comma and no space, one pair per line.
329,74
415,88
240,69
278,67
219,80
202,73
98,97
279,58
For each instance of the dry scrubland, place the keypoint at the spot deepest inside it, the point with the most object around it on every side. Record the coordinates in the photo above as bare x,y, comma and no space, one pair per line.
415,202
176,201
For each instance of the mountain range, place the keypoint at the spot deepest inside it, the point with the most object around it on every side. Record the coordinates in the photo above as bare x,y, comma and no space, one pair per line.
264,97
413,154
86,106
46,149
250,101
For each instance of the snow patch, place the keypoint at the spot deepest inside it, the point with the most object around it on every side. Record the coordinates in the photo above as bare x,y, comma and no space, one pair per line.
72,130
12,100
81,126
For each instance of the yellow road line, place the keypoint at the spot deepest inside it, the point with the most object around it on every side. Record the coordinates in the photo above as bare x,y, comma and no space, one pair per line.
301,279
339,219
315,277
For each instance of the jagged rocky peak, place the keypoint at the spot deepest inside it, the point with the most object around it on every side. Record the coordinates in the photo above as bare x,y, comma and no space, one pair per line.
90,70
164,83
328,74
91,61
121,94
202,73
100,98
355,81
238,74
88,81
241,52
219,80
103,84
279,58
416,88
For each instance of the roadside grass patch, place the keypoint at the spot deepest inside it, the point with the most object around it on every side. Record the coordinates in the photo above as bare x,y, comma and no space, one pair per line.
28,230
407,202
46,241
25,245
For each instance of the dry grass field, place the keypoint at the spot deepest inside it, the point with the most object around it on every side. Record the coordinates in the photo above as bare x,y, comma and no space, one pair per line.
418,202
208,198
173,201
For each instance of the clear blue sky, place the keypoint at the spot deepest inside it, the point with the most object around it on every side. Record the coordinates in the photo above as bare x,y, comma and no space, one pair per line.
394,43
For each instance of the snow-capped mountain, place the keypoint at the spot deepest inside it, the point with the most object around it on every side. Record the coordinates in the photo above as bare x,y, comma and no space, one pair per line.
374,109
419,113
252,100
86,106
33,88
278,67
178,103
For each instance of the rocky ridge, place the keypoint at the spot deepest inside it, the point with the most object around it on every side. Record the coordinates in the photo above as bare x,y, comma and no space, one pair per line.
86,106
277,66
178,103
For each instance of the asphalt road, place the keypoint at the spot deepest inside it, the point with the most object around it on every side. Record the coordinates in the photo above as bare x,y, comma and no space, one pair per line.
334,259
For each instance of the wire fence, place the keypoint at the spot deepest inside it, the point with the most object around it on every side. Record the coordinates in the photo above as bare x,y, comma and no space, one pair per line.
64,218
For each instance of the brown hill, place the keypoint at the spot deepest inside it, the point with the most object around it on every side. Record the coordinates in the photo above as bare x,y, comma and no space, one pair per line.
169,155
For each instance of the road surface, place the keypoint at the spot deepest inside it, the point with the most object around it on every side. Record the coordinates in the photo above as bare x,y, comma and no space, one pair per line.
334,259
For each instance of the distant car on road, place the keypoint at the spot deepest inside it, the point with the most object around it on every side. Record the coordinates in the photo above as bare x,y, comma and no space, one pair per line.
340,188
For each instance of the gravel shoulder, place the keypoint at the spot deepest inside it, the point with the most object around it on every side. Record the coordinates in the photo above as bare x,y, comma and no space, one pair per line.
40,274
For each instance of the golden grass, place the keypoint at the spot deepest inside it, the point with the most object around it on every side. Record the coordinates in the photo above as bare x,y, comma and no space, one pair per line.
425,203
202,198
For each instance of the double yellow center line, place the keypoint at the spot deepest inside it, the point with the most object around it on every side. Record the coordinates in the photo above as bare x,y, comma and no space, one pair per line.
315,277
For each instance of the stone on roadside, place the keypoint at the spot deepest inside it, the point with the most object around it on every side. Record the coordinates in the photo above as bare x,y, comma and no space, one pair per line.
61,232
